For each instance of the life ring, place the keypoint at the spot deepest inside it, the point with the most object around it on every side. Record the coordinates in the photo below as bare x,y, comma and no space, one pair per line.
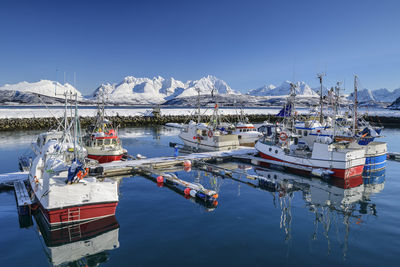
210,133
283,136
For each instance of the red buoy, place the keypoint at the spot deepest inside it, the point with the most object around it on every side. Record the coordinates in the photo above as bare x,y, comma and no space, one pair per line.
187,191
187,163
160,179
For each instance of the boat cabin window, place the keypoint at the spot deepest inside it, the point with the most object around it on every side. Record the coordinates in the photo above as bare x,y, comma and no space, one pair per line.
114,141
296,140
270,149
276,151
305,133
204,132
300,133
107,142
99,142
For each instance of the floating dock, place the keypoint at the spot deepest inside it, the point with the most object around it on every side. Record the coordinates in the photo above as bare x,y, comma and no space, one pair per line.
119,168
393,156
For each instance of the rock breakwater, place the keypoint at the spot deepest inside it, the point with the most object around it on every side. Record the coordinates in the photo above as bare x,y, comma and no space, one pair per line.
12,124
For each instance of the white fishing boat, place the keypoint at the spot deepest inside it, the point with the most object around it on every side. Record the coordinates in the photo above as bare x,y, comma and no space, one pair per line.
211,136
356,131
208,137
283,148
247,134
60,183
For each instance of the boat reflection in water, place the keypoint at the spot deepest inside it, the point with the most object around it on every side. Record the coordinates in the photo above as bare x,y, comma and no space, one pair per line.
83,244
345,200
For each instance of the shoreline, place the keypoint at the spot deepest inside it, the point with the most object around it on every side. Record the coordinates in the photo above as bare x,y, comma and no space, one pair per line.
46,123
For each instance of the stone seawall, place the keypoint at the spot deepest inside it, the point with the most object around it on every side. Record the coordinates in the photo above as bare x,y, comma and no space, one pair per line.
48,123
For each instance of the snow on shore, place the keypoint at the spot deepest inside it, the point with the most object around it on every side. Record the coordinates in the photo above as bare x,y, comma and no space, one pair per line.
15,112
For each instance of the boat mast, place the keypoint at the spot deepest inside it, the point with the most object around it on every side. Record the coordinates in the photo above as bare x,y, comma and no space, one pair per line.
337,94
198,105
65,112
321,102
76,125
102,106
355,106
292,106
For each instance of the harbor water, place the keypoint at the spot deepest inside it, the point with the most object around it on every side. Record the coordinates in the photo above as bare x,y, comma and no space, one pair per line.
284,221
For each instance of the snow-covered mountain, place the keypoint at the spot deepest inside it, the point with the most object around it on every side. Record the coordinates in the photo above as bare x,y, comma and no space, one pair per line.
374,96
384,95
395,104
302,89
42,87
262,91
206,85
159,89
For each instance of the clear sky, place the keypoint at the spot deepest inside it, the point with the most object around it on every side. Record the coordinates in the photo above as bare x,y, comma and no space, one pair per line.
246,43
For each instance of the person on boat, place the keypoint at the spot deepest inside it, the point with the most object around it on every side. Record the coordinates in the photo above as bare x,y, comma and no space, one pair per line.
76,172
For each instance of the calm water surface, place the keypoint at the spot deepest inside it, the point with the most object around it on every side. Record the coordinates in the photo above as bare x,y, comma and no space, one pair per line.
300,221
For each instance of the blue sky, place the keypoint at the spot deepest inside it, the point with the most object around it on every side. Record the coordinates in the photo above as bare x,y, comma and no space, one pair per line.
246,43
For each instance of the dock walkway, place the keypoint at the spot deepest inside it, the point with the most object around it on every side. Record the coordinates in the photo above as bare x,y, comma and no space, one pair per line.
8,179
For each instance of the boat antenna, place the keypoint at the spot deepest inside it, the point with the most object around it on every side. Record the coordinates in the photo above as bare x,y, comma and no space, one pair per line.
355,126
321,102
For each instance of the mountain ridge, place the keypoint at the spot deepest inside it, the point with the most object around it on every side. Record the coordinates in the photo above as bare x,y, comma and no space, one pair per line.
158,90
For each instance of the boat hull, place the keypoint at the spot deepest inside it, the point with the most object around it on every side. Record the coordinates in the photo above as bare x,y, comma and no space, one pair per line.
77,214
337,172
105,158
209,145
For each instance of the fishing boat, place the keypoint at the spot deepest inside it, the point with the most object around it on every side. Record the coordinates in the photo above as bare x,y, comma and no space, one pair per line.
211,136
323,156
356,131
246,131
101,141
62,187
